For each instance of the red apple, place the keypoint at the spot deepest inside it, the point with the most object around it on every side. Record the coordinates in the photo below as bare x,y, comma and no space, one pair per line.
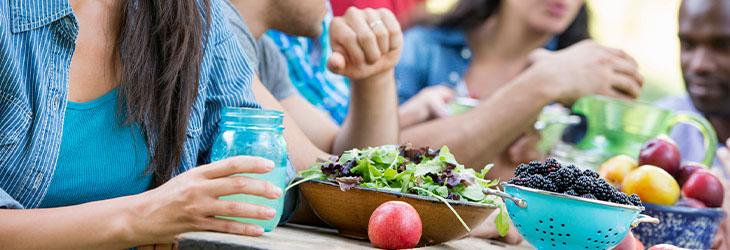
686,170
689,202
705,187
394,225
661,152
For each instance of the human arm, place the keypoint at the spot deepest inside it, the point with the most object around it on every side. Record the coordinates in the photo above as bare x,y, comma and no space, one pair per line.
302,151
367,123
366,46
186,203
481,133
430,103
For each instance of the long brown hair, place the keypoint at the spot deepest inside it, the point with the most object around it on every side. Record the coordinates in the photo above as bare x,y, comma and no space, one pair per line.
161,47
469,14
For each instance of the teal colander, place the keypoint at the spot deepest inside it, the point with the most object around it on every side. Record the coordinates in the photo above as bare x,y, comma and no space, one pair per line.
557,221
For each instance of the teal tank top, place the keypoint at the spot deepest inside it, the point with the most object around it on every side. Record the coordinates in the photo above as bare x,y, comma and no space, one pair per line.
100,158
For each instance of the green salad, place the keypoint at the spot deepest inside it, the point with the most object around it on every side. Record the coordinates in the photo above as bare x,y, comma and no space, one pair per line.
422,171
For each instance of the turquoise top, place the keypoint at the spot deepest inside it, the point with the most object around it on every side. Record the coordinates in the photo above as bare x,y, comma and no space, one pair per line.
100,158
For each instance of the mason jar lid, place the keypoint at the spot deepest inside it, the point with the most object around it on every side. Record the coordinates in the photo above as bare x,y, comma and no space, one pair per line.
252,118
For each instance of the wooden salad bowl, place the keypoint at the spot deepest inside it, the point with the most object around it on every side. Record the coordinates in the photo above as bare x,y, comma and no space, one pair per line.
349,211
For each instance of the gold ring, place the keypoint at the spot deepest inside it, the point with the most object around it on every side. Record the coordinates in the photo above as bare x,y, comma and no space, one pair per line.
376,23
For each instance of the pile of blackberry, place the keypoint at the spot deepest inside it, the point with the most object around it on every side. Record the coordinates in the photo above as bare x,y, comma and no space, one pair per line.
552,176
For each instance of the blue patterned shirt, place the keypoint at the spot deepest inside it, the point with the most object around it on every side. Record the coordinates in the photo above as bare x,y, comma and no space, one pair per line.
307,62
37,40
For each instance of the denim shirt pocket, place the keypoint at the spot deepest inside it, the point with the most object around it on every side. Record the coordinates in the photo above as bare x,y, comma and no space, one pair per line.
14,121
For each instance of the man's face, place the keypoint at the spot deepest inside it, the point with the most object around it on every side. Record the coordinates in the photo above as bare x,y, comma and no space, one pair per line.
704,33
298,17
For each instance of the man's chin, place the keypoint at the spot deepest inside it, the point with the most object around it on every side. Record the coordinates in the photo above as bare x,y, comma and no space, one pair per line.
711,107
316,32
313,31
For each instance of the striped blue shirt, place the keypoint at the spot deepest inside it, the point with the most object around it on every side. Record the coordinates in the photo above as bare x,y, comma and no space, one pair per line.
307,62
37,40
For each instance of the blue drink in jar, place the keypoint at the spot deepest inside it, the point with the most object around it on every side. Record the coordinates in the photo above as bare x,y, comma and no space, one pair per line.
254,132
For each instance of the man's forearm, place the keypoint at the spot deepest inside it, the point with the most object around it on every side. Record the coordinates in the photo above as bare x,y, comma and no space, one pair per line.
373,116
479,135
302,152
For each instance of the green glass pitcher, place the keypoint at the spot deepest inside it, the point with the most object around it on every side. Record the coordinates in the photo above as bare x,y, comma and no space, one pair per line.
621,127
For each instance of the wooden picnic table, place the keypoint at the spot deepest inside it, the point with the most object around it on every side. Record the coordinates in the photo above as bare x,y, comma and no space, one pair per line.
306,237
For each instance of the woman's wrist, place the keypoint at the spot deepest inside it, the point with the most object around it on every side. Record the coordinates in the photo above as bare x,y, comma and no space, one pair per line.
537,82
129,226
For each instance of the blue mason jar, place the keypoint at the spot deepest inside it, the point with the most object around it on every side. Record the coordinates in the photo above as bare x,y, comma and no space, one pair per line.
254,132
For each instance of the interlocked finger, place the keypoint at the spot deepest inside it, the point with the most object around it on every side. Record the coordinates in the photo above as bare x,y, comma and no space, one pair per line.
379,29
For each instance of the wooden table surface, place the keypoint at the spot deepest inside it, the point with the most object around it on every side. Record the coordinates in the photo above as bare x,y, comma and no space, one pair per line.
303,237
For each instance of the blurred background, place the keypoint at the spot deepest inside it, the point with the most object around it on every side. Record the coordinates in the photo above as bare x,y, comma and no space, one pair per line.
645,29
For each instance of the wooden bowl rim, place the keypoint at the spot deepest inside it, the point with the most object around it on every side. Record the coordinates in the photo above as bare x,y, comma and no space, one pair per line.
407,195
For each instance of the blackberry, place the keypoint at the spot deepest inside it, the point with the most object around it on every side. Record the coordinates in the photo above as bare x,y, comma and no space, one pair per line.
534,163
583,185
620,198
563,178
537,182
590,173
571,192
602,190
519,181
588,196
522,170
550,165
550,186
635,200
573,169
532,168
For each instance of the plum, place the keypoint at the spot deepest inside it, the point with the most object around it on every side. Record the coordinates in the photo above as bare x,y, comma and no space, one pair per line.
705,187
661,152
686,170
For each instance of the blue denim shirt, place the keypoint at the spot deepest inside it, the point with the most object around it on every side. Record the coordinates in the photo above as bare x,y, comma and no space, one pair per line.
434,56
37,40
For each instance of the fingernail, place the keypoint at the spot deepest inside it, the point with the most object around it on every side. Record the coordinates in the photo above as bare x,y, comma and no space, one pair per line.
269,164
278,191
270,213
259,230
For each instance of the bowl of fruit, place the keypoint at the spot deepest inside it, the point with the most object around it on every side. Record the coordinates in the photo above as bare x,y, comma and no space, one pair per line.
344,191
556,206
685,197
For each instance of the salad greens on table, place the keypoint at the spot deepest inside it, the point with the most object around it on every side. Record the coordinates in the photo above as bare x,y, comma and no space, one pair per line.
422,171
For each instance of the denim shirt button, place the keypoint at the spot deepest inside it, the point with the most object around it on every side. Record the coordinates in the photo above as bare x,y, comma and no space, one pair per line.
466,53
454,76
